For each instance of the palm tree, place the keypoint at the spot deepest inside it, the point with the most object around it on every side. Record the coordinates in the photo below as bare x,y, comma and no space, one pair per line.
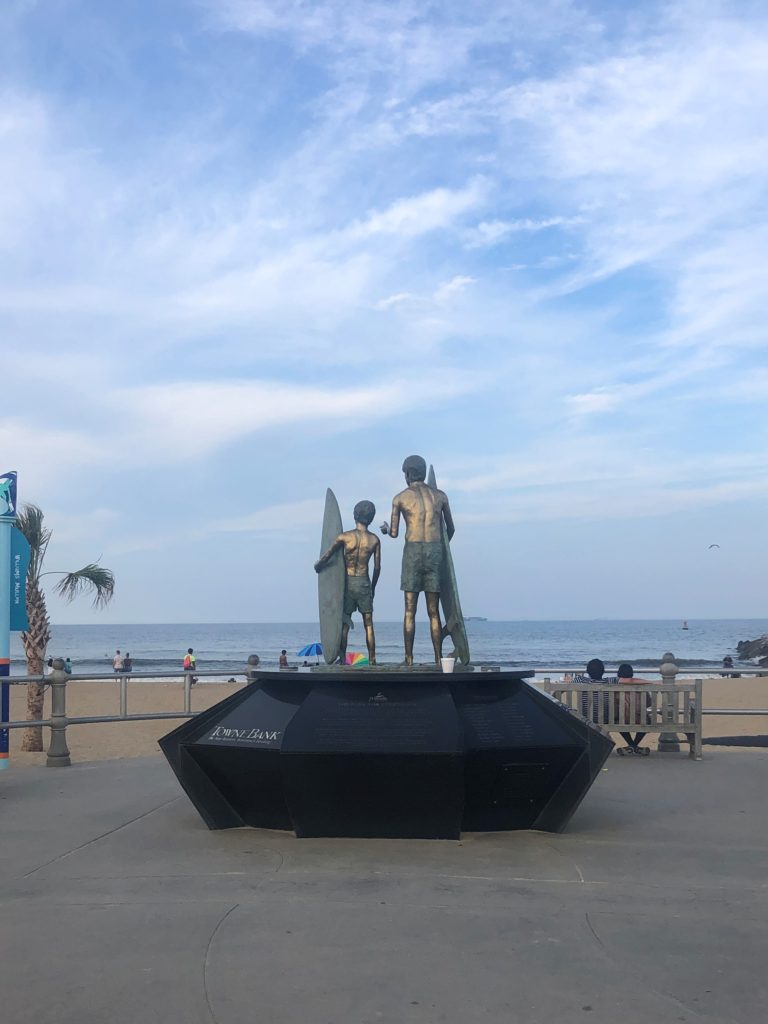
91,578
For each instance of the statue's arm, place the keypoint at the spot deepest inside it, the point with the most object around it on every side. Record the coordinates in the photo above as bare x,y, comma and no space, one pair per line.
376,566
448,517
393,526
325,558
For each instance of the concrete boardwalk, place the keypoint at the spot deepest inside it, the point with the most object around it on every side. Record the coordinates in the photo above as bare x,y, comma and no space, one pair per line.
117,904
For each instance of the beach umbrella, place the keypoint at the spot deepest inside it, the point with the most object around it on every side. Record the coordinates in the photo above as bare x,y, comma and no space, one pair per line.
310,651
356,658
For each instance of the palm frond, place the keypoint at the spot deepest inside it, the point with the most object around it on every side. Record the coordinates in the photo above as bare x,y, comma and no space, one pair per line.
30,521
91,578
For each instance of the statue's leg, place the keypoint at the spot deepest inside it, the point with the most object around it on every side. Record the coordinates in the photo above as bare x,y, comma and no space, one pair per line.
370,639
343,645
409,625
436,630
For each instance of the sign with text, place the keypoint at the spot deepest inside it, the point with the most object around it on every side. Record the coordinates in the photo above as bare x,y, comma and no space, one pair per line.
20,553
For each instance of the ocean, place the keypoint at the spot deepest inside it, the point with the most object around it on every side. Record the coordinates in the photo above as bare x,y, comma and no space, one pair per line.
224,647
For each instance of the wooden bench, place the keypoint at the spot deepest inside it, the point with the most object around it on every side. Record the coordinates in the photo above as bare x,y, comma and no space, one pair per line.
653,708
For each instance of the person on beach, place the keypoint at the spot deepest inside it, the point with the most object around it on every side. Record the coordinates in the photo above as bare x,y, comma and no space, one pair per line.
117,663
190,663
67,666
359,547
633,708
48,667
127,663
283,660
728,663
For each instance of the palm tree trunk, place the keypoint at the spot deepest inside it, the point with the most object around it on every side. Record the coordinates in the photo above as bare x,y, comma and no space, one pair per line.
35,642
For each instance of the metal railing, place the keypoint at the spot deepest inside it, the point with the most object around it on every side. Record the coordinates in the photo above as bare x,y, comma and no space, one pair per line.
58,754
123,681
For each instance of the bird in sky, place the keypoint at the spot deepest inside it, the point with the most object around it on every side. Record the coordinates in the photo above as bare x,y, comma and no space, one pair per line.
713,546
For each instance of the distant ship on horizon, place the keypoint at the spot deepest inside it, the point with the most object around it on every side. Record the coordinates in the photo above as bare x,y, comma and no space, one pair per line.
475,618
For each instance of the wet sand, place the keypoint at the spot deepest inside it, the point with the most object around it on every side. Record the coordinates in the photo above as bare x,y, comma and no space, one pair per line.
105,741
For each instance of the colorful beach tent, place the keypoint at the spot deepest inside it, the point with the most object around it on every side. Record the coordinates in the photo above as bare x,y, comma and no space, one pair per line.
356,658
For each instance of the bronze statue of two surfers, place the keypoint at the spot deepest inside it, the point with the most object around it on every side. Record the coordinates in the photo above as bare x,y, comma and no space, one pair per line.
427,567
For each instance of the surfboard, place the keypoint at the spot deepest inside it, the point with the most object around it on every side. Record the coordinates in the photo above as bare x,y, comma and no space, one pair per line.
449,593
330,582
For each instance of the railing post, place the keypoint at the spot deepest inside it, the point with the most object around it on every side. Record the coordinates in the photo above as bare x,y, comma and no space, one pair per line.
187,693
58,752
697,719
123,696
668,741
253,664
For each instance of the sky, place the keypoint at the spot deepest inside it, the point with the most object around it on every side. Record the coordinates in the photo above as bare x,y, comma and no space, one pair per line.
253,249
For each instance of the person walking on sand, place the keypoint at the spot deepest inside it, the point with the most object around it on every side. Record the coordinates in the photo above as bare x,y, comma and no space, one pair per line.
190,663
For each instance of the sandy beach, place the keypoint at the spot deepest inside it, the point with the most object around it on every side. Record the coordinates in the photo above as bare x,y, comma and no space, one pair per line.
107,740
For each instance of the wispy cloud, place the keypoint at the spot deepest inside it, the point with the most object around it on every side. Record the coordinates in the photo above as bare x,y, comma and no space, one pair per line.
185,422
419,214
492,232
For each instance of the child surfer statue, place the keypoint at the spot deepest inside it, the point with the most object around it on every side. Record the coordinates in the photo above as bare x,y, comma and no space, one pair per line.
359,546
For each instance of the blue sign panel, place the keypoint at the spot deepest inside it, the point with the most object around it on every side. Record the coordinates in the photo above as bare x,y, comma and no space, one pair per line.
19,566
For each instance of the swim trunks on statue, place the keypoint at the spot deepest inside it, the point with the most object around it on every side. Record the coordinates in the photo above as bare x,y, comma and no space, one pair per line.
422,564
357,597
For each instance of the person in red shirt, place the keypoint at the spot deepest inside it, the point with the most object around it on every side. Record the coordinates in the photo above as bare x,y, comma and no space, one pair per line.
625,677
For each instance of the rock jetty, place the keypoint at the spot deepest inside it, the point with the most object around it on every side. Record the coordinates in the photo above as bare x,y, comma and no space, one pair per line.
746,650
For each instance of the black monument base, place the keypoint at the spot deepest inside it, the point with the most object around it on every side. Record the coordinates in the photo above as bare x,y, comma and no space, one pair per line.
377,754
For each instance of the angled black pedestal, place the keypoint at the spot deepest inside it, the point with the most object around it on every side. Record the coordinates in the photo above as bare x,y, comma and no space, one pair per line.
378,754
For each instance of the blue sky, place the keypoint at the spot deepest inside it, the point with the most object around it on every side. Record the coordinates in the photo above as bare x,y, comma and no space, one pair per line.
251,249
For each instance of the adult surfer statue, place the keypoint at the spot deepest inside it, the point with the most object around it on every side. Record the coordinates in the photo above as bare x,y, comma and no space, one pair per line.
424,510
359,546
